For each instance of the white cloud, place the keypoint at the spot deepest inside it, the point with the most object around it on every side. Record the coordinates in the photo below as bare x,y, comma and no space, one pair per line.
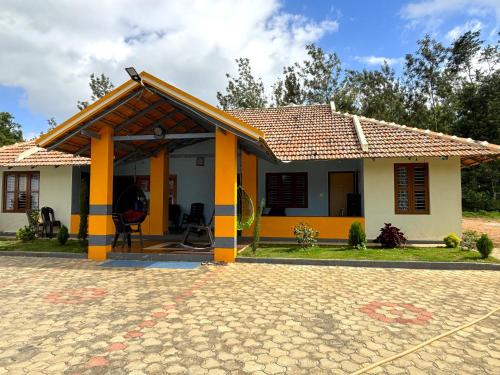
454,33
50,51
432,9
379,60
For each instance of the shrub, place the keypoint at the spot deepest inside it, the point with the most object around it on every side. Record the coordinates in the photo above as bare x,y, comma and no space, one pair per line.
25,234
452,240
63,235
84,209
390,237
469,239
256,228
305,235
357,236
484,246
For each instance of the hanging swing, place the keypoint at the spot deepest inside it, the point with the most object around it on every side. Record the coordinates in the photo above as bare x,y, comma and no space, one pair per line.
245,210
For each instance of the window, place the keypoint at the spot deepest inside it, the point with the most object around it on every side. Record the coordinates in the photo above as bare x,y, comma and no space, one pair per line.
287,190
21,191
411,188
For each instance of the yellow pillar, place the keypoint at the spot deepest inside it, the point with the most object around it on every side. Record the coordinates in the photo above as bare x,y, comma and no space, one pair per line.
159,190
249,182
225,196
101,229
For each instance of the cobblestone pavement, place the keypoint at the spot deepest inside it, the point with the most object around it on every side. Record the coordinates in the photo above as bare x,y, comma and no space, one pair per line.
73,317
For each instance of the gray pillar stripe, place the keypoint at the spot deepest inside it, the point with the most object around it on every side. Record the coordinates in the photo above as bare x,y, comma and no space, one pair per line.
100,209
100,239
225,242
225,210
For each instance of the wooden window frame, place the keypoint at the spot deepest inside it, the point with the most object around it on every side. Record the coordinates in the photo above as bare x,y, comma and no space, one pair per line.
411,189
306,189
16,191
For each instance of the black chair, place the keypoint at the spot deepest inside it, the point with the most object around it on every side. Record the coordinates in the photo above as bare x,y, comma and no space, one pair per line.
199,230
121,229
196,216
33,221
49,222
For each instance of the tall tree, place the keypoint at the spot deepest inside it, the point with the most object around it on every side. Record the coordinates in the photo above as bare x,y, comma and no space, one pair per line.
243,91
10,131
428,83
288,90
462,53
99,86
377,93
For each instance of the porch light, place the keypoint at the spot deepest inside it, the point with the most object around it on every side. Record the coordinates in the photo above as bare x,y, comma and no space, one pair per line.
159,132
286,161
133,74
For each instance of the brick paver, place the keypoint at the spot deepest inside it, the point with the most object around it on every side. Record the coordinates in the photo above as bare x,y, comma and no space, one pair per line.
73,317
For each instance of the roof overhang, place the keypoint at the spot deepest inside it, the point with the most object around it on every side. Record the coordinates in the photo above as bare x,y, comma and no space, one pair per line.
134,108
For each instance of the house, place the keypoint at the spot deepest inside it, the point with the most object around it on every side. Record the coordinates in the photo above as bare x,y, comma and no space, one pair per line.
311,164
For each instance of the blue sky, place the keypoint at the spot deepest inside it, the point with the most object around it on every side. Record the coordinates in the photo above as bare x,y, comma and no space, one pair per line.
50,52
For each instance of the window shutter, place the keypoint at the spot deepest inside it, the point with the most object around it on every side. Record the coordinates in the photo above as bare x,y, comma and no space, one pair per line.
287,190
411,188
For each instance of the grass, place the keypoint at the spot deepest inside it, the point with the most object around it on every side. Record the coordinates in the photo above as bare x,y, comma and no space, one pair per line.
481,214
42,245
432,254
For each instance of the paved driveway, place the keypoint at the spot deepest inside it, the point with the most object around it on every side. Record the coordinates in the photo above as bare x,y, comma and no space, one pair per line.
73,317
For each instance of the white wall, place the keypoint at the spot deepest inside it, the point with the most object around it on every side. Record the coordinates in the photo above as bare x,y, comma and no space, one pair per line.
445,199
317,181
55,192
194,183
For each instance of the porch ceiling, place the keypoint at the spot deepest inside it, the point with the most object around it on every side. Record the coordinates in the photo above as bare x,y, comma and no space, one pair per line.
134,109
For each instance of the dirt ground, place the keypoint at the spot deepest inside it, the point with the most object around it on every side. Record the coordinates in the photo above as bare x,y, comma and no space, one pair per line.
489,226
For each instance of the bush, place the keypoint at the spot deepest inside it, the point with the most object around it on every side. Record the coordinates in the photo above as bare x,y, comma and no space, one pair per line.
469,239
305,235
256,228
390,237
357,236
25,234
63,235
484,246
452,241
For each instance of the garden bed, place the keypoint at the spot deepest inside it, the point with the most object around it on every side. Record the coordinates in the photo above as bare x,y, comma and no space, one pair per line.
42,245
428,254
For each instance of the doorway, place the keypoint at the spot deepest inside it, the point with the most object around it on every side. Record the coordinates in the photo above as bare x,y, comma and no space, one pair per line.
342,194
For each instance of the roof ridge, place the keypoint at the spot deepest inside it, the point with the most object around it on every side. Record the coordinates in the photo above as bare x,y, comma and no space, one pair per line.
429,132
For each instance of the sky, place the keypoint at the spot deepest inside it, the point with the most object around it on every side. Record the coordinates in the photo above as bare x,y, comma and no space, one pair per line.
49,49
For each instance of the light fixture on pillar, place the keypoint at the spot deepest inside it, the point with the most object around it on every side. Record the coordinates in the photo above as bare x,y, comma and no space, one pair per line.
133,74
159,132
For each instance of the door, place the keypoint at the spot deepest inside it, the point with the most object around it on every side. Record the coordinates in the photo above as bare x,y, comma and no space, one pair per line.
341,184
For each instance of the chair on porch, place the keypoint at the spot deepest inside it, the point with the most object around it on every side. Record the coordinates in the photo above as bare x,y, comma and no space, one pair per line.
196,216
125,229
199,230
49,222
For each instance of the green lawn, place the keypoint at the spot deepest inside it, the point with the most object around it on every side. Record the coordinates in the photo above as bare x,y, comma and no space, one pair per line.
435,254
492,215
72,246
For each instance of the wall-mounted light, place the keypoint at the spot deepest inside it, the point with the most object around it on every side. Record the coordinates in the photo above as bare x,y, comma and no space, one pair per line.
159,132
133,74
286,161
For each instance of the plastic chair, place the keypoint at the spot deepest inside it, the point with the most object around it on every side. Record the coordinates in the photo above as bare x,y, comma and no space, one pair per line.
49,222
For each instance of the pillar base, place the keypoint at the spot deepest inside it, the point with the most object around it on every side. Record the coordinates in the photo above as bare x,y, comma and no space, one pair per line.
225,255
98,252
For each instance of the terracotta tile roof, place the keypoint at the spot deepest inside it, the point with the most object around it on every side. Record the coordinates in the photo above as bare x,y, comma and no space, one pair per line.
26,154
315,132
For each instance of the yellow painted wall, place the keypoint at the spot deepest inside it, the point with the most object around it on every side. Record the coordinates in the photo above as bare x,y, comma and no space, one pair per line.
328,227
445,199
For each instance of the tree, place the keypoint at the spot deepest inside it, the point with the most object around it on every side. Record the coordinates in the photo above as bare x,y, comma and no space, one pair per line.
428,84
100,86
462,53
243,91
10,131
377,93
288,90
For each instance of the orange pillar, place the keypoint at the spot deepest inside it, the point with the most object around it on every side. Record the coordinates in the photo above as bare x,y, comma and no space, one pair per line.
158,188
101,229
225,196
249,183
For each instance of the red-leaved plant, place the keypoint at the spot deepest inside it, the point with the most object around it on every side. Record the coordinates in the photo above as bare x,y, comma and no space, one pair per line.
390,237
